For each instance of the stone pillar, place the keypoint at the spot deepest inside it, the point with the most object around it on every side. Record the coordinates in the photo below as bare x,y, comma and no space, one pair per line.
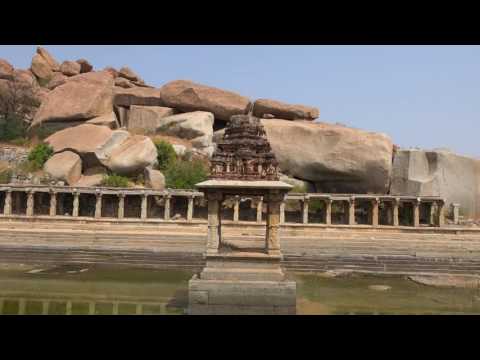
282,212
53,203
416,212
166,214
30,202
328,211
259,210
351,211
456,213
236,208
76,203
305,209
7,207
375,203
214,222
98,205
272,243
121,205
431,215
143,212
396,204
441,213
190,207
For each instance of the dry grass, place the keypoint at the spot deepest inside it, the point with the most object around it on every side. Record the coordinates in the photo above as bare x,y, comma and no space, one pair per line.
172,140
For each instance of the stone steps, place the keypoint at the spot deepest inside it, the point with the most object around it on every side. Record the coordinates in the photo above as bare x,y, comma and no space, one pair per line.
171,245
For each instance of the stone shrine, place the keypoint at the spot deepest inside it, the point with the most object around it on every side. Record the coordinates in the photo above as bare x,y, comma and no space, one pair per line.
243,280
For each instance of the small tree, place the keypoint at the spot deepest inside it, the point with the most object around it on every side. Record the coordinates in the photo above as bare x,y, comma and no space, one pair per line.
185,174
39,155
18,104
166,155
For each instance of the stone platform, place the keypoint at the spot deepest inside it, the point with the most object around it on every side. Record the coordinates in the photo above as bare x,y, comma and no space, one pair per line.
242,284
240,297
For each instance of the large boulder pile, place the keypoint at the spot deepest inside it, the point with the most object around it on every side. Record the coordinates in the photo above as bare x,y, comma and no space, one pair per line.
98,147
438,173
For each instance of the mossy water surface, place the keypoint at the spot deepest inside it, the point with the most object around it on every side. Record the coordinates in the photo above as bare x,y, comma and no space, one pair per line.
103,290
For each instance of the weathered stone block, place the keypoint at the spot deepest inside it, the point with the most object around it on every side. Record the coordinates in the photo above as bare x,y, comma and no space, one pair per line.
241,297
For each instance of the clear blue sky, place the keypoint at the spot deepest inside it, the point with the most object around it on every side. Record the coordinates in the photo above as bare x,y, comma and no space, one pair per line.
422,96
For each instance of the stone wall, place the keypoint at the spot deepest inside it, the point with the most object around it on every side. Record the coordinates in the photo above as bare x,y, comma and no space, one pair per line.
13,155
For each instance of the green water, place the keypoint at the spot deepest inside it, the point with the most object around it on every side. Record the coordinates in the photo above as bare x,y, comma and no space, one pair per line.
107,290
354,295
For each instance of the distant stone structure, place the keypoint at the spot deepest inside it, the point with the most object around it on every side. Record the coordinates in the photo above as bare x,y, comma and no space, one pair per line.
236,279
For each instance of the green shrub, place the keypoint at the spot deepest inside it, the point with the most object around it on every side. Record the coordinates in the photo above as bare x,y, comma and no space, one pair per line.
39,155
5,176
115,180
166,155
12,127
185,174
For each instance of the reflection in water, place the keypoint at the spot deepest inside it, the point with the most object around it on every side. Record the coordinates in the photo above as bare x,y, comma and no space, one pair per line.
84,290
92,291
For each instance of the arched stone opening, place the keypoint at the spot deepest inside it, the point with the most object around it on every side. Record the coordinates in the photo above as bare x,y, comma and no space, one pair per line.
41,203
317,211
109,206
155,207
227,207
200,208
293,211
405,213
248,209
340,209
363,212
385,213
179,207
87,205
19,203
133,206
427,213
64,204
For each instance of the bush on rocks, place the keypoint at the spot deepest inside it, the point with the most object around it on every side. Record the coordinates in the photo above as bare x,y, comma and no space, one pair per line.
114,180
185,174
166,154
12,128
39,155
5,175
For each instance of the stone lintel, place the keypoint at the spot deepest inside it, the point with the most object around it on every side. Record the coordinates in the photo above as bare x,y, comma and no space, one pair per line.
243,184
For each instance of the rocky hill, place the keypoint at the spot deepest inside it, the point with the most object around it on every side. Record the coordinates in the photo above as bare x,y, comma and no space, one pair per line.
101,120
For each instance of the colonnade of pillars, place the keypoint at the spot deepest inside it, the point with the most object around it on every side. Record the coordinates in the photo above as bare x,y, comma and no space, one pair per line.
436,216
7,209
393,204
